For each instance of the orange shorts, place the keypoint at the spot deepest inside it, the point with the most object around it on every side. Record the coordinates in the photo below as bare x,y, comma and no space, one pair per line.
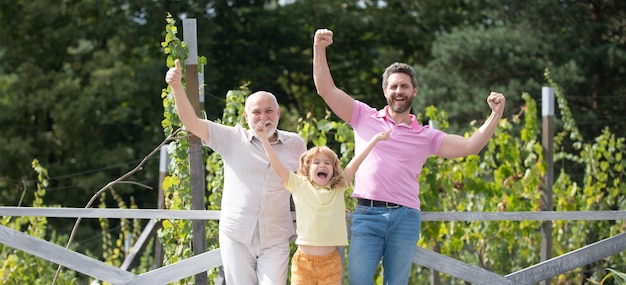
316,270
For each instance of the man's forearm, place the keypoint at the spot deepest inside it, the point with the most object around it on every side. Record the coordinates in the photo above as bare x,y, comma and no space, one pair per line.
482,136
183,106
321,72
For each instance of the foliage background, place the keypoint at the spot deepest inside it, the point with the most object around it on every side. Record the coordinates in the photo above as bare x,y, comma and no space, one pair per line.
79,84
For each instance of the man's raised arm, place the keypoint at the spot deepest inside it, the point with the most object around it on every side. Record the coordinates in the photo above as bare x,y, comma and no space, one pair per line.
184,108
339,101
454,146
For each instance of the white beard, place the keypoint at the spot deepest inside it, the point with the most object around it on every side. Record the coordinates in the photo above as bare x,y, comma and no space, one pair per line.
270,131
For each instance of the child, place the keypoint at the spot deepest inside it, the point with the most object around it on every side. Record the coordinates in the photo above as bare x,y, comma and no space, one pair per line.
318,193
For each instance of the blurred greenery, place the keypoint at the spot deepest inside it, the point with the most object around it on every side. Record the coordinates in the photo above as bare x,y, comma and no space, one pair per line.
80,80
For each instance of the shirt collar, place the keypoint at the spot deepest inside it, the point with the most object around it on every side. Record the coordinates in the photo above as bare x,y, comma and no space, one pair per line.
415,125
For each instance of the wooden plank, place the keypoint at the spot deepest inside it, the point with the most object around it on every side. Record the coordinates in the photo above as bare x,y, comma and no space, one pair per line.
525,216
65,257
140,245
179,270
215,214
572,260
458,269
110,213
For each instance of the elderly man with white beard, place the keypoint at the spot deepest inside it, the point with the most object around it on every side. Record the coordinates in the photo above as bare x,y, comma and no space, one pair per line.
255,222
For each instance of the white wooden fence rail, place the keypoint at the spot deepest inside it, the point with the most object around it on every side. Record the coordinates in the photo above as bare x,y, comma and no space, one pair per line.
200,263
215,215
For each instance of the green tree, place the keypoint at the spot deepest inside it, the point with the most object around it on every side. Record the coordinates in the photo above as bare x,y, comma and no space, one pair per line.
73,84
75,80
581,42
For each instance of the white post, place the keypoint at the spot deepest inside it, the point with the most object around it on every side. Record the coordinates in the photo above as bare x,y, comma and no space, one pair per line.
432,124
547,192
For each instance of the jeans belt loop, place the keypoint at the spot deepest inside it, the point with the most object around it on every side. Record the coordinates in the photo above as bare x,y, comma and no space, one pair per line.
394,206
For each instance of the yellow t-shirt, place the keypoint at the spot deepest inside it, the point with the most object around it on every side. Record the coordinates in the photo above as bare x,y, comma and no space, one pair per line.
320,213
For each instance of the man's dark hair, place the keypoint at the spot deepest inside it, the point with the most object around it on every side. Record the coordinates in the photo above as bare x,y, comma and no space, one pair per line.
402,68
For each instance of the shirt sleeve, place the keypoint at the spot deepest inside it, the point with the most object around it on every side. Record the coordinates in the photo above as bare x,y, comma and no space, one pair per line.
292,182
221,137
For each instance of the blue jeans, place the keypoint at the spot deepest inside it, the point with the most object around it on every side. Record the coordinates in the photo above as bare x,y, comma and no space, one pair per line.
379,232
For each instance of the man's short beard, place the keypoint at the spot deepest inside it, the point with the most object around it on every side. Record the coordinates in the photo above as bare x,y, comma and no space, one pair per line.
400,108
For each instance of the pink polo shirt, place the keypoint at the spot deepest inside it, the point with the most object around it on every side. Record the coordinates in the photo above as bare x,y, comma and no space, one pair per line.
390,172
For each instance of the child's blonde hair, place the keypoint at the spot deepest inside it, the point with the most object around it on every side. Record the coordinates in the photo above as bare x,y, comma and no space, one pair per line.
337,181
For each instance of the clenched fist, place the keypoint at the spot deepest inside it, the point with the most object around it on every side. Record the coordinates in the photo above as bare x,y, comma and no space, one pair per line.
323,38
496,102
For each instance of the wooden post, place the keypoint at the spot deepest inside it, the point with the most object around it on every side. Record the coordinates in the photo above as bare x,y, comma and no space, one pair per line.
163,172
435,278
547,193
196,165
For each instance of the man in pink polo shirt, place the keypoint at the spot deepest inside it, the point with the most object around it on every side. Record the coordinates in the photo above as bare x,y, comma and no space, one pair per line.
386,221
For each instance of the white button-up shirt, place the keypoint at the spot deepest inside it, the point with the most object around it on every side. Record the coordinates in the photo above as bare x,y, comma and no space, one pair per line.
253,195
